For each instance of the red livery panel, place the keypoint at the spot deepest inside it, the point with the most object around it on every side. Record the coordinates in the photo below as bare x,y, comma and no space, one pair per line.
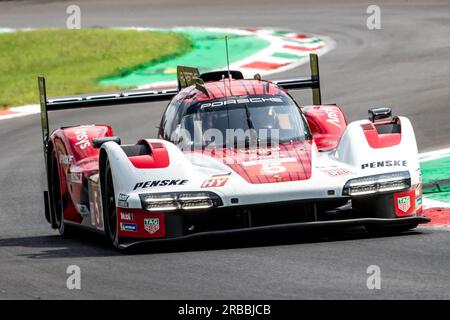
377,140
77,160
159,157
327,124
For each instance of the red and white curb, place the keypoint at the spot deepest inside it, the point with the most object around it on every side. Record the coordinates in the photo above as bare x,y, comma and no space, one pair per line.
437,211
16,112
19,111
286,51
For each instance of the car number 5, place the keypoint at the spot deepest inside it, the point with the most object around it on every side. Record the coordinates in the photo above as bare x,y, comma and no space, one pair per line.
272,168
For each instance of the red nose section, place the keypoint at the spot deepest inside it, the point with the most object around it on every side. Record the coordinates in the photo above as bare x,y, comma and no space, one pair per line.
283,163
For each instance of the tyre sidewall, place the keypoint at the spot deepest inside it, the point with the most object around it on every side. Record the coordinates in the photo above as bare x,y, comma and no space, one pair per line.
113,239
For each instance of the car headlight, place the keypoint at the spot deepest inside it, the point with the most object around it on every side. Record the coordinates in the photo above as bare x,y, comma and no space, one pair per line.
180,201
385,182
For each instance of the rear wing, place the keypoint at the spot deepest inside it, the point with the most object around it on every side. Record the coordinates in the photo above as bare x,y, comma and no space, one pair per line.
94,100
133,96
312,83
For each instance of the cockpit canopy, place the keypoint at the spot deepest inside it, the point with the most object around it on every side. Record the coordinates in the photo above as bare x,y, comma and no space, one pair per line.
237,121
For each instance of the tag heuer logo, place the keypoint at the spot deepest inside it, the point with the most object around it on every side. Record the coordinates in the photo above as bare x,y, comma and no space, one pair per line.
151,225
404,203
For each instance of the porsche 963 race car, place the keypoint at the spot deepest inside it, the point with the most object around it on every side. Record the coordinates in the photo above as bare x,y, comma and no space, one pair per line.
232,155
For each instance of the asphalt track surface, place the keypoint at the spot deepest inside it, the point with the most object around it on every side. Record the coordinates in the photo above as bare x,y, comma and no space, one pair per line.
405,65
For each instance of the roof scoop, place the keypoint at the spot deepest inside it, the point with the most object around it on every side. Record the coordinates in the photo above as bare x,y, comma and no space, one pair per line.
380,114
219,75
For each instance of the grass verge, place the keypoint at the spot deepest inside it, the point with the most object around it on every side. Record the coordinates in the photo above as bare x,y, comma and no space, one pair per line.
73,60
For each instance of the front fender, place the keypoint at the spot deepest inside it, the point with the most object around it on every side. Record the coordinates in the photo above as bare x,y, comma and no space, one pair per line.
131,176
355,150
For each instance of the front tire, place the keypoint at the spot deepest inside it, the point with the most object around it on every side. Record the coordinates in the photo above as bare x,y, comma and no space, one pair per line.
109,205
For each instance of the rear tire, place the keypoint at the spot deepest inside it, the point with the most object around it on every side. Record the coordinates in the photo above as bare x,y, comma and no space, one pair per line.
57,202
390,229
109,205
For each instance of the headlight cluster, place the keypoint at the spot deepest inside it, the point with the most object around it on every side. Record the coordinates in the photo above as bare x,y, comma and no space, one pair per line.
386,182
180,201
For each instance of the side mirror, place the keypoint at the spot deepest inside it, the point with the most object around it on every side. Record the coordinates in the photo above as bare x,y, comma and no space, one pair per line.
380,114
97,142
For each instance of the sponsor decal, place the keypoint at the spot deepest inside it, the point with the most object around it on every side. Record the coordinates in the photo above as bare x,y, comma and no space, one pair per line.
404,203
82,138
159,183
419,191
338,172
260,151
75,177
95,202
123,200
65,159
333,117
268,161
151,225
126,216
418,202
215,181
386,163
419,194
82,209
130,227
240,101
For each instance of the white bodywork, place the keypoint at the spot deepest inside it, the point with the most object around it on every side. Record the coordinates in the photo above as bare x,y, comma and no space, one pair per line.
353,154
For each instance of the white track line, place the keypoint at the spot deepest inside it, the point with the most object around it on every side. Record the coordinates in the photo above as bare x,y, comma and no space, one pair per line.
433,155
434,228
431,203
16,112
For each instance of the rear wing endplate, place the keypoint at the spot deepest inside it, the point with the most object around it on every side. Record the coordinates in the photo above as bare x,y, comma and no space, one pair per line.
186,76
312,83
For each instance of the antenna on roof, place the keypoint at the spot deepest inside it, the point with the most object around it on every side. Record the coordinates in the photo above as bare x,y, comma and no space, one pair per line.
228,58
224,86
228,66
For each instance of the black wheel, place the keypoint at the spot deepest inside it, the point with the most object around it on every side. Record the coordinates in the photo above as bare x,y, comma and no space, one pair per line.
109,205
390,229
57,202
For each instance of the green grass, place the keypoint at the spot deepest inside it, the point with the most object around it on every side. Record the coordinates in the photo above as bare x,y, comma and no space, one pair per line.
74,60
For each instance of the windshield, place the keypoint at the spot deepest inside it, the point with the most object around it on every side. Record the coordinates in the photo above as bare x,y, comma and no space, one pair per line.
241,121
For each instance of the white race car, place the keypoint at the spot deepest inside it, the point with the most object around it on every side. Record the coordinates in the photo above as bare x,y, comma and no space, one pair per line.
232,155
